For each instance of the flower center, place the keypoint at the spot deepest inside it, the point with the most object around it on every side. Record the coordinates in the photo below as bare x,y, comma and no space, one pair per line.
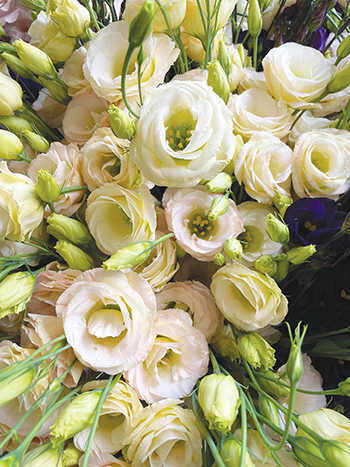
310,226
251,239
179,130
106,322
320,161
201,226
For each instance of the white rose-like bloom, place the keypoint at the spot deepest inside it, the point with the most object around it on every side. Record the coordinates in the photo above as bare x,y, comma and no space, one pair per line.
106,160
178,358
264,166
114,422
64,163
72,73
21,209
186,215
104,62
248,299
197,300
321,163
296,74
184,134
117,216
306,122
252,79
255,110
107,318
166,433
98,458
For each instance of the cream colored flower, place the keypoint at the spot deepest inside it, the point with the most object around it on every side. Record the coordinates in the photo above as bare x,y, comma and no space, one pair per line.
106,160
321,163
107,318
178,358
197,300
184,134
248,299
255,110
114,423
73,74
99,458
327,423
192,269
194,48
252,79
48,109
296,74
264,166
117,216
186,215
166,432
10,95
104,62
307,122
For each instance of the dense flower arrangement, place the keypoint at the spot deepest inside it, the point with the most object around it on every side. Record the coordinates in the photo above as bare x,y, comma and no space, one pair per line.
174,233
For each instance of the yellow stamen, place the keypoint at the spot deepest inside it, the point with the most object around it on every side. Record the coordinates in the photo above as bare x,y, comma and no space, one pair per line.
209,227
180,145
307,224
313,228
202,233
171,141
195,229
175,124
343,294
170,133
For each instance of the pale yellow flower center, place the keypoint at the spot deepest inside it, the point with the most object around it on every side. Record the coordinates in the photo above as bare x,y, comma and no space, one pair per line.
251,238
201,226
320,161
179,130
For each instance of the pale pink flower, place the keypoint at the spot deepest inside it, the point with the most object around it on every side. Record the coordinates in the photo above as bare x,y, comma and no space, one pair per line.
15,19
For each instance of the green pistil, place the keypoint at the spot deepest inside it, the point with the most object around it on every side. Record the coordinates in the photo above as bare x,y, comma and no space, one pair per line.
178,134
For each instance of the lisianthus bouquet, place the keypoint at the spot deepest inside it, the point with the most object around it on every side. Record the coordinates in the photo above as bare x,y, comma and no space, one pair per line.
174,233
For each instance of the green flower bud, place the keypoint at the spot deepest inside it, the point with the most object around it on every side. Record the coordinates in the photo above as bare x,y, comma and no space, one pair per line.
254,18
71,455
15,385
16,124
226,345
242,54
10,460
336,453
301,254
46,187
233,249
141,26
217,79
6,47
294,365
271,387
44,455
68,229
77,416
129,256
219,184
35,5
17,65
224,58
266,264
231,452
10,95
339,80
256,350
308,451
36,142
343,49
35,59
219,259
122,125
277,230
219,398
219,206
344,387
15,292
72,18
282,268
74,256
282,202
10,146
269,410
56,89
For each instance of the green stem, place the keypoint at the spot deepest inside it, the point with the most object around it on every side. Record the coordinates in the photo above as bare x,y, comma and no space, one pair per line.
126,64
139,75
214,363
209,46
26,110
255,51
92,15
244,430
69,189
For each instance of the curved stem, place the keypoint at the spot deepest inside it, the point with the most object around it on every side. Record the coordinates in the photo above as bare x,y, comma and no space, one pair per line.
126,64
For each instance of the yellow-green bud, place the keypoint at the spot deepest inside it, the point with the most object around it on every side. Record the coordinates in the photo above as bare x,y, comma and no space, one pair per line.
266,264
77,416
219,398
300,254
272,387
10,95
71,455
277,230
282,267
180,252
68,229
336,453
11,146
74,256
226,344
224,58
294,365
219,259
56,89
129,256
6,47
16,124
15,385
217,79
36,142
17,65
122,125
344,387
44,455
219,184
233,249
219,206
47,188
231,452
343,49
15,292
141,26
10,460
254,18
269,410
309,452
282,202
339,80
241,52
72,18
35,59
256,350
35,5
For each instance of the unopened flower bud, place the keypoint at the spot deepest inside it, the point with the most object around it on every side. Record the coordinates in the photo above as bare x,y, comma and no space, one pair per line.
231,452
35,5
282,202
224,58
74,256
57,90
294,365
256,350
219,259
300,254
17,65
15,291
217,79
6,47
71,455
44,455
219,184
344,387
16,124
122,125
10,95
129,256
219,398
339,80
15,385
35,59
11,146
308,451
47,188
336,453
226,345
141,25
277,230
36,142
266,264
282,267
72,18
343,49
269,410
68,229
233,249
219,206
242,56
272,387
254,18
10,460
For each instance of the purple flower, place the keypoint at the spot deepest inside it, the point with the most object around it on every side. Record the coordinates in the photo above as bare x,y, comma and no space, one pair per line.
318,39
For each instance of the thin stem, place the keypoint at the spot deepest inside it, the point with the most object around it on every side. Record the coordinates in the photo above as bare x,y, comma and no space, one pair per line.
92,15
214,363
255,51
244,430
53,134
126,64
208,48
69,189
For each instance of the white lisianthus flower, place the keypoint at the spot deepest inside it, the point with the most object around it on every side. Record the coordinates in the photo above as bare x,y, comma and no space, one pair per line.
166,432
178,358
197,300
255,110
104,62
107,318
106,160
186,212
296,74
194,47
307,122
252,79
264,166
117,216
327,423
72,73
51,111
184,134
248,299
98,458
321,163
